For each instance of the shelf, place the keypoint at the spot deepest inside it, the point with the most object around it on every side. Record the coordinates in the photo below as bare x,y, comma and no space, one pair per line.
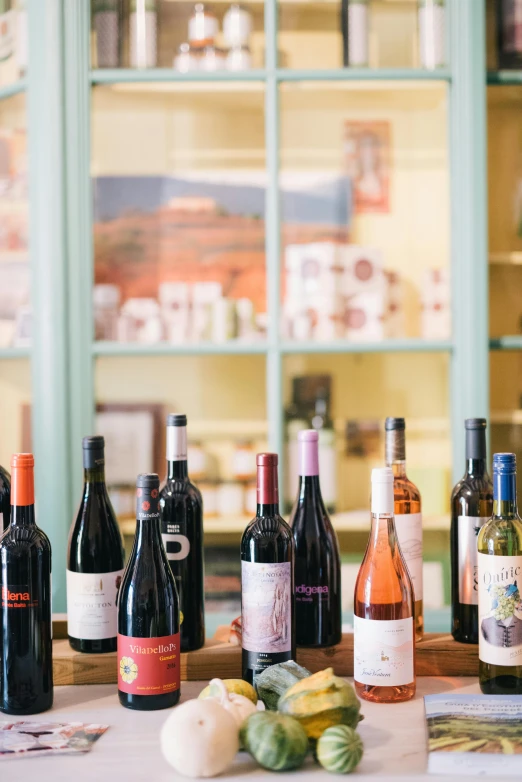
15,88
364,74
169,349
384,346
506,343
504,77
169,75
506,417
505,259
15,352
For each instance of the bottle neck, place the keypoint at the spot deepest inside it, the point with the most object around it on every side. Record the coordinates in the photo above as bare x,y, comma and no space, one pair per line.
476,454
399,469
267,509
177,471
148,535
383,532
395,452
267,490
94,475
22,516
309,488
476,468
505,495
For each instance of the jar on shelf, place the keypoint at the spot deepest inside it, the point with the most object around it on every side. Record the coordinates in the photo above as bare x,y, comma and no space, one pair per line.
213,59
244,461
143,24
239,58
208,491
187,59
106,26
203,26
432,33
230,499
197,461
237,26
106,304
251,499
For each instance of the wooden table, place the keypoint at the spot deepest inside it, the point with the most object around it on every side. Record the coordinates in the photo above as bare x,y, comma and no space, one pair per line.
394,738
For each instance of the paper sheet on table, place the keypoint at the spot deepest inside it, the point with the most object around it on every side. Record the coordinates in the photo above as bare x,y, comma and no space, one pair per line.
23,739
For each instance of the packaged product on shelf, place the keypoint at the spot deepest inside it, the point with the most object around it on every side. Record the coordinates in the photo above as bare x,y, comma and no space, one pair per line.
208,491
436,304
394,317
8,60
362,268
106,301
223,320
365,315
174,299
239,58
328,318
198,459
143,23
355,31
106,24
187,59
145,314
245,319
212,59
251,499
243,461
204,294
237,26
432,33
231,499
203,26
21,37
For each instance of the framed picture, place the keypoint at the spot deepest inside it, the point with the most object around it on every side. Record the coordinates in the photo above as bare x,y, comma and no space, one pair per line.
134,439
367,153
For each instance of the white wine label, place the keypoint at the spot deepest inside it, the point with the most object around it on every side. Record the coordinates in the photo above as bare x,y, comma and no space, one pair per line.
383,651
409,533
468,529
266,606
91,605
500,609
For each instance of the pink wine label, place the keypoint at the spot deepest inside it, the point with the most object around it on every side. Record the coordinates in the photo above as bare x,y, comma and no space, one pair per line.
266,601
500,609
148,666
383,651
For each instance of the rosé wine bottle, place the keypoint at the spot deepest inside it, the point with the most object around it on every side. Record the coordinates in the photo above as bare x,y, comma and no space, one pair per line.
384,639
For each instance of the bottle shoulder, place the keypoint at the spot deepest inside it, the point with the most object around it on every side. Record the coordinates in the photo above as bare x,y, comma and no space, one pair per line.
268,527
470,487
405,490
27,536
179,490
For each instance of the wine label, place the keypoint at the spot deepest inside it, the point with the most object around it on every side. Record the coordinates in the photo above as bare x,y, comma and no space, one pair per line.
91,605
500,609
176,545
468,528
409,534
148,666
383,651
305,593
266,606
18,596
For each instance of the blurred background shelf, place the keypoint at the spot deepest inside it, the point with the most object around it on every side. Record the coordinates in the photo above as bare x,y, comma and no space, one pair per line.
12,353
170,349
15,88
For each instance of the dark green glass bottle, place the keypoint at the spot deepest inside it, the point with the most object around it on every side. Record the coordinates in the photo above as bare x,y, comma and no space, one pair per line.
499,581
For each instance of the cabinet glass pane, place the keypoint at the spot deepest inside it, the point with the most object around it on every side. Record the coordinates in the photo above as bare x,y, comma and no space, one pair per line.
505,209
13,41
362,33
506,402
365,211
179,200
177,34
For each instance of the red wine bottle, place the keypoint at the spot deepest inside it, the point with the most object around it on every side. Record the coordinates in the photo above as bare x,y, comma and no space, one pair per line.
148,613
94,561
5,499
267,579
471,508
317,561
181,509
26,662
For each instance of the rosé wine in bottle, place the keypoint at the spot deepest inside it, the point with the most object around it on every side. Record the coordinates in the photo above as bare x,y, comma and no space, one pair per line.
384,638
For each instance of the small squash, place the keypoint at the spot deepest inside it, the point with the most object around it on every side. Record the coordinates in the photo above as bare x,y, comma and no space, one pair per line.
321,701
278,743
339,750
237,705
277,679
200,738
238,686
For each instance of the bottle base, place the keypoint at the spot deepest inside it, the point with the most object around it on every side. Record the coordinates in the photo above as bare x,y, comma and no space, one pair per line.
461,638
149,702
103,646
502,685
378,694
25,712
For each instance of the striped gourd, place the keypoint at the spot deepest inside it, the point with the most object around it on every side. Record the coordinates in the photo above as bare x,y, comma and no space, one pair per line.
339,749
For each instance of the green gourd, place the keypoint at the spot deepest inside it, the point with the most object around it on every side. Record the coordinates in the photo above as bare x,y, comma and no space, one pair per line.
276,680
339,750
277,742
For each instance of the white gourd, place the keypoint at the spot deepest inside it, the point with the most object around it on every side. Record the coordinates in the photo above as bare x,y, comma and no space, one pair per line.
200,738
240,707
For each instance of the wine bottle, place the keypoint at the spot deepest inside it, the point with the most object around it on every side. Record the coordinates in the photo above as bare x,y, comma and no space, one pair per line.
407,509
354,26
181,510
5,499
499,581
384,643
471,508
95,560
317,562
267,579
148,613
26,661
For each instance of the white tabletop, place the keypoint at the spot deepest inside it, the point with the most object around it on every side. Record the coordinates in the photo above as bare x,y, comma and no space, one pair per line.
394,738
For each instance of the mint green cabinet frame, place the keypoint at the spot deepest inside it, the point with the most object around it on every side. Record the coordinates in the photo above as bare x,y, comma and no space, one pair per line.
58,92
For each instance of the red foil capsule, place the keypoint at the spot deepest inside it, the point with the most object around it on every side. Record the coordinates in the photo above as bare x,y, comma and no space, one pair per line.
267,482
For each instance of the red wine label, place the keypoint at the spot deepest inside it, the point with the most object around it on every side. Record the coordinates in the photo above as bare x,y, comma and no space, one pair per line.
266,604
148,666
500,609
17,596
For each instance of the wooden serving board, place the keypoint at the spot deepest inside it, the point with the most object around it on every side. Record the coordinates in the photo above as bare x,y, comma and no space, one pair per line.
436,655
